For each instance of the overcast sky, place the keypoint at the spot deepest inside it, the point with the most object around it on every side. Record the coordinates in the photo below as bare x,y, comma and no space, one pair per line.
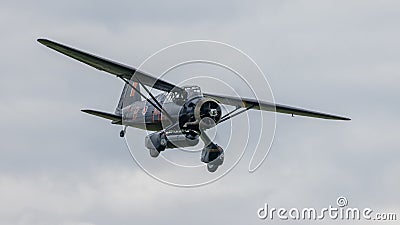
60,166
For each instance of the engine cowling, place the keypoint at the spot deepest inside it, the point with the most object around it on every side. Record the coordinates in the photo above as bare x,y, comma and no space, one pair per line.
200,113
205,110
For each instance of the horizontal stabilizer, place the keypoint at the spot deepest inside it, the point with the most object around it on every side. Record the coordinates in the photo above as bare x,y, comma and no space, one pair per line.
115,119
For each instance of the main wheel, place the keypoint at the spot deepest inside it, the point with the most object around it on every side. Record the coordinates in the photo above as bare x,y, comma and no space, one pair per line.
211,167
154,153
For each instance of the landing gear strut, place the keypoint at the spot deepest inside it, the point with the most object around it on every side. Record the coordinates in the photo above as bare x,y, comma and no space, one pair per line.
212,154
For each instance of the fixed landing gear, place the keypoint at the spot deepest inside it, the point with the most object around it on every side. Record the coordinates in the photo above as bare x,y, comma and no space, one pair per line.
156,143
154,153
213,156
122,133
213,166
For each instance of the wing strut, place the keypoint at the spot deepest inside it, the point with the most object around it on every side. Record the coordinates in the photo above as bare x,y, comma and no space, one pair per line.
225,116
156,105
151,95
229,116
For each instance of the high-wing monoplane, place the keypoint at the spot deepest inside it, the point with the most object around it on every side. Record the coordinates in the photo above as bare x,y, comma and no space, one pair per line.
178,116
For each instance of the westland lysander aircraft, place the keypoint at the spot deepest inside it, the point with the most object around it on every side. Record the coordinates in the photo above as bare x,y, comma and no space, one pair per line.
179,115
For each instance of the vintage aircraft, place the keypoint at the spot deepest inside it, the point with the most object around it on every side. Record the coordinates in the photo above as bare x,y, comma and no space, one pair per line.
179,115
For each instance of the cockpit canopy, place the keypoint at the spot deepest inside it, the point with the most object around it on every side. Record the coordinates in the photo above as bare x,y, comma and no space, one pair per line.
179,97
182,96
192,91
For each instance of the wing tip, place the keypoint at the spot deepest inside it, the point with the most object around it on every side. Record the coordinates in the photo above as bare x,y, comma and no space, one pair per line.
43,41
334,117
47,42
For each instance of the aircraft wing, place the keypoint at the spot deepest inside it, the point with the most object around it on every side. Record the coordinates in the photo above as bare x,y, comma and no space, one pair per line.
109,66
267,106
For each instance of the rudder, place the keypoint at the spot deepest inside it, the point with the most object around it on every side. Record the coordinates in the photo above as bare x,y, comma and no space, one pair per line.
128,96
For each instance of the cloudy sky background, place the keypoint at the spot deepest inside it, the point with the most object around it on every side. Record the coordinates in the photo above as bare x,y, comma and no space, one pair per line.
60,166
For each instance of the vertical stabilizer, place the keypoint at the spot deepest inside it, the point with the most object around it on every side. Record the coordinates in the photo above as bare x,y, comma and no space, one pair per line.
128,97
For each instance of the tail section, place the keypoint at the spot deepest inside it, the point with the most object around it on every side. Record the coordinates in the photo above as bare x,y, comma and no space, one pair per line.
128,96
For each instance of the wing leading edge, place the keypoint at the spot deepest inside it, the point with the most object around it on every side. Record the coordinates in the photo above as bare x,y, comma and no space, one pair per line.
109,66
126,72
267,106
